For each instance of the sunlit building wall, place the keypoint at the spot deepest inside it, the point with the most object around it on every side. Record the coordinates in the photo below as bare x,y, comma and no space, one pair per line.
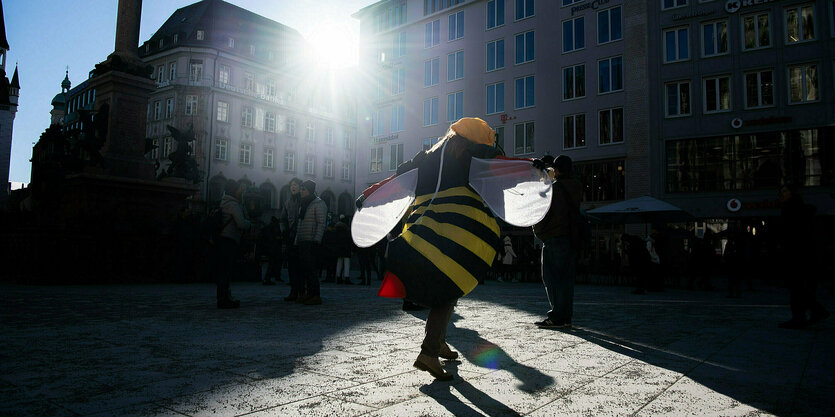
261,113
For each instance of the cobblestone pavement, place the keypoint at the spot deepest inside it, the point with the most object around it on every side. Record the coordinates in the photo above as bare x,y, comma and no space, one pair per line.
142,350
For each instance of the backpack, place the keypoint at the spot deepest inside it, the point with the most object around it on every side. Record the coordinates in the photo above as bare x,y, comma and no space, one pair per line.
213,224
580,228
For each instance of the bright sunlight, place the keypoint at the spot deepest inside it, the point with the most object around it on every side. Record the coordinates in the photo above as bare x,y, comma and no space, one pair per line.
334,45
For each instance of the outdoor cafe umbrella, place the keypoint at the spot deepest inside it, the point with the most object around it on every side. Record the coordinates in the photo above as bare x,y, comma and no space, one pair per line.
640,210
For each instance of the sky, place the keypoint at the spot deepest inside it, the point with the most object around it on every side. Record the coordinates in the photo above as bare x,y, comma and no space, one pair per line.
46,36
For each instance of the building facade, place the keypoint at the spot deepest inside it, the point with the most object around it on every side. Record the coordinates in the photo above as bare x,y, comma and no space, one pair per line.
548,76
9,94
742,102
260,114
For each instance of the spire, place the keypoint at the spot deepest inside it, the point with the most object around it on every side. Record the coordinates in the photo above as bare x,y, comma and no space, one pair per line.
15,83
65,85
4,44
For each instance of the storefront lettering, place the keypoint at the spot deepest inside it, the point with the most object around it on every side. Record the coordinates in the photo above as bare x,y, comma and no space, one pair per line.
590,5
733,6
697,13
768,120
765,204
375,141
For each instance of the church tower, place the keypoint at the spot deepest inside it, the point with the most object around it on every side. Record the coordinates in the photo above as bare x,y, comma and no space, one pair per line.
9,92
59,102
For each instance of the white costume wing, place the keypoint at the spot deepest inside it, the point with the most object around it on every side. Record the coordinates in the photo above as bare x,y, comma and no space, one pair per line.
515,191
382,209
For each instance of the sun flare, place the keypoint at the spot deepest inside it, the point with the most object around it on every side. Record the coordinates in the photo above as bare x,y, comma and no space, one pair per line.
333,45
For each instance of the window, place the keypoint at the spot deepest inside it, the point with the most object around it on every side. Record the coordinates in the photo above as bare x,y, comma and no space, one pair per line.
398,80
431,72
396,156
495,55
230,42
574,82
495,98
268,158
245,156
715,38
347,143
455,66
269,122
309,165
222,111
161,42
430,111
432,35
399,48
670,4
195,71
157,110
166,147
169,108
328,168
570,2
249,81
678,99
609,25
800,24
290,162
176,37
611,126
717,94
191,105
377,125
676,45
495,13
346,171
756,31
610,75
573,34
376,159
272,90
252,49
398,113
155,150
759,89
525,88
220,149
500,136
525,47
172,71
201,35
602,180
246,116
291,127
223,74
524,9
309,131
160,73
803,83
428,143
329,136
523,138
574,131
455,106
456,26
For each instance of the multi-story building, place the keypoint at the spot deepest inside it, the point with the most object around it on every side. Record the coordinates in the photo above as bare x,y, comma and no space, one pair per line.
9,94
742,97
545,88
259,113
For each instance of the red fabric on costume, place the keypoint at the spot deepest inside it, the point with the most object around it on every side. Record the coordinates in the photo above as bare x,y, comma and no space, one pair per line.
392,287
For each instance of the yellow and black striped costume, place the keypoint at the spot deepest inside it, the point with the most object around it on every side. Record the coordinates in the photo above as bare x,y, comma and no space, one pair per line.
448,243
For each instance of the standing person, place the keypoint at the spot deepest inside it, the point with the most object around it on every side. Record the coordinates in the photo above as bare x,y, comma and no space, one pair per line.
559,258
268,247
367,257
288,218
343,251
508,274
234,225
797,239
312,219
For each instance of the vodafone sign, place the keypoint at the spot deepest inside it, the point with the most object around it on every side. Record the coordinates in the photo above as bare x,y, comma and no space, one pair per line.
734,205
733,6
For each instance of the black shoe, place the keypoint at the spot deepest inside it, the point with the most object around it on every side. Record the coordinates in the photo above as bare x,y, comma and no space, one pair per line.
550,324
818,317
793,324
228,304
348,282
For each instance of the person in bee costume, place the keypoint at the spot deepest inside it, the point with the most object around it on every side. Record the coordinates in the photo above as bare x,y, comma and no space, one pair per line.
446,198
